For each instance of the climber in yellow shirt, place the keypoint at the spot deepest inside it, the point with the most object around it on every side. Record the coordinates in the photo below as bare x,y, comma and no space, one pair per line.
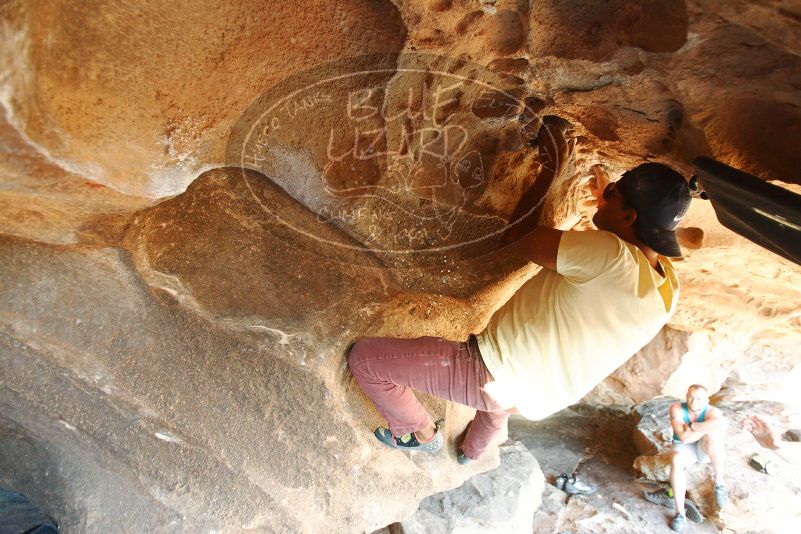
600,297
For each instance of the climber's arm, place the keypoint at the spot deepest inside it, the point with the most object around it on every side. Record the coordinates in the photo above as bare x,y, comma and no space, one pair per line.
714,422
541,246
681,429
536,243
528,212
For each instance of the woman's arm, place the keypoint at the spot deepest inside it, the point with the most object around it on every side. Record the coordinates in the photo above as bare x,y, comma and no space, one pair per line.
768,437
555,150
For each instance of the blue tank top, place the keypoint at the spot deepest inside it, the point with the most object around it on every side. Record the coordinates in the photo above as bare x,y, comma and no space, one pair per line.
687,418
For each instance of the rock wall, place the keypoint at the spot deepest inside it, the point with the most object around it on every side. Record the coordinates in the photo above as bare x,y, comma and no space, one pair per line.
182,275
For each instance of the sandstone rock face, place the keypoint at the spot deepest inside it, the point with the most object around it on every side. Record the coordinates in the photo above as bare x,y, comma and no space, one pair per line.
195,404
175,310
652,435
670,363
501,500
596,30
142,98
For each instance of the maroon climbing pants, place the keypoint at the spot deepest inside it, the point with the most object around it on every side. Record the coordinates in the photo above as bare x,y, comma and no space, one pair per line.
388,369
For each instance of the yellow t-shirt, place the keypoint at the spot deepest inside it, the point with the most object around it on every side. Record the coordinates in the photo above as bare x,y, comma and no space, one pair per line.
564,331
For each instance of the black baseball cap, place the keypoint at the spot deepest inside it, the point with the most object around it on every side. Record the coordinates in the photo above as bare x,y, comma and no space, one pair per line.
661,197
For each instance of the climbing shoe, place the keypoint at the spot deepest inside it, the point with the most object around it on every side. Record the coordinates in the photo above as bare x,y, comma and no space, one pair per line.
573,486
462,459
721,496
692,512
678,522
664,497
409,442
760,463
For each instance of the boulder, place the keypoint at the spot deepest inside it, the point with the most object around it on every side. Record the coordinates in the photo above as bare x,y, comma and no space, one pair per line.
653,433
174,402
502,500
597,30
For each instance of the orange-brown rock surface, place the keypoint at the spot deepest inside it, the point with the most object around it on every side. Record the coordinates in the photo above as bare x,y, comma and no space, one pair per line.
203,204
